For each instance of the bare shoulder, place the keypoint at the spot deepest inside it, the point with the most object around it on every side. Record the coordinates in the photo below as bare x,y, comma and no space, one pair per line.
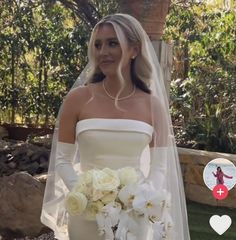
78,94
142,94
79,97
75,100
156,101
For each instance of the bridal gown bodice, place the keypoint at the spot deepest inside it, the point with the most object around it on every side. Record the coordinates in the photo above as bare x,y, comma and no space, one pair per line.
112,143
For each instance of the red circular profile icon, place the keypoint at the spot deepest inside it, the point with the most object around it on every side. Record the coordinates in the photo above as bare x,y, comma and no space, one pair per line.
220,192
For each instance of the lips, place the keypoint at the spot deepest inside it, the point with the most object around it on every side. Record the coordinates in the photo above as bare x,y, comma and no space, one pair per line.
106,62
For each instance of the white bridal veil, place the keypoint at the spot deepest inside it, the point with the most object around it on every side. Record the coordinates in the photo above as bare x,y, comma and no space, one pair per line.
163,150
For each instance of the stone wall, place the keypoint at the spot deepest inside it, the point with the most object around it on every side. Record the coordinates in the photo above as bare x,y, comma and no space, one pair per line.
192,164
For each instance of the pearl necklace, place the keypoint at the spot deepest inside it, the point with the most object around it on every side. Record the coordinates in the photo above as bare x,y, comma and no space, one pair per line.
113,98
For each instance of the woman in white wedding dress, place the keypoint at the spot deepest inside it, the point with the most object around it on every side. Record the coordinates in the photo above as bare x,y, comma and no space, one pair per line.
116,115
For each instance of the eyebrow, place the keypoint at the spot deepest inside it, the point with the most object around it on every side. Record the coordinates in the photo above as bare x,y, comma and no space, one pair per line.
108,39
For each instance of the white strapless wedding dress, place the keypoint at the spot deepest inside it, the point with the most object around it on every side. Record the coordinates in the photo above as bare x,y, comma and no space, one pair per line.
112,143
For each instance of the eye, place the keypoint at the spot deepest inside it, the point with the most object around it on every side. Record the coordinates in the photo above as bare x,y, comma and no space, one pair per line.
113,43
97,45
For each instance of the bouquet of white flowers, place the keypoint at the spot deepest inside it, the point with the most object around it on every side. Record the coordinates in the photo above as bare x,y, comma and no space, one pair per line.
114,198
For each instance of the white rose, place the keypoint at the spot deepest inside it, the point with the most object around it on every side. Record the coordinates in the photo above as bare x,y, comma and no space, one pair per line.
79,187
84,185
97,194
128,175
105,180
92,210
86,177
75,203
109,197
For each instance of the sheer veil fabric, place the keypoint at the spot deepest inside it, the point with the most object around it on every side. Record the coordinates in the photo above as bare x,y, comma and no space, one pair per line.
53,211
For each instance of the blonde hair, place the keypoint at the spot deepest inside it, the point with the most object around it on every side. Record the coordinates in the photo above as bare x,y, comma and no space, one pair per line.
129,31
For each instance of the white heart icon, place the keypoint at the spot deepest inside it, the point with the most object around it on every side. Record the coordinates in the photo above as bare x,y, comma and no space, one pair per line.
220,224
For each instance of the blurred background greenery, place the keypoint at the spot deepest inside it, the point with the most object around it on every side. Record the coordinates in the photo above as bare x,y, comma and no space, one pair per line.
43,48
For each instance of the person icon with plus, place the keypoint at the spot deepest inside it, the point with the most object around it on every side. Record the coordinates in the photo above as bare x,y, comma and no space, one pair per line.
220,176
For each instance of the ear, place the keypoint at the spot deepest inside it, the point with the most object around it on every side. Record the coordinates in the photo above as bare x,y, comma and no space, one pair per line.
136,50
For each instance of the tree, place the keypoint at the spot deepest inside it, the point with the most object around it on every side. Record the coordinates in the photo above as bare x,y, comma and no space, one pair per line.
204,99
43,49
90,12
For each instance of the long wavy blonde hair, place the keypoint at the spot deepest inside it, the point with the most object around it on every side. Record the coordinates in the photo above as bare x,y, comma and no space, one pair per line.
129,31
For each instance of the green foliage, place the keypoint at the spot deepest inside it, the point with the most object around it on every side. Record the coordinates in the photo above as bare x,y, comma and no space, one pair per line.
204,100
43,46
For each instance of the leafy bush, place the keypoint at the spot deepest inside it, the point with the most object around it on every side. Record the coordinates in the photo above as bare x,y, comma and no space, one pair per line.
204,99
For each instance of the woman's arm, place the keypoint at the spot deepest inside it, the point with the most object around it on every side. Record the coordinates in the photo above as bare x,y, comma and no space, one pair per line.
66,147
215,175
158,145
68,119
160,123
230,177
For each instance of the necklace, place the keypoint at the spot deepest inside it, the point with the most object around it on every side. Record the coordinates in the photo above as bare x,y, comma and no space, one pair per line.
108,94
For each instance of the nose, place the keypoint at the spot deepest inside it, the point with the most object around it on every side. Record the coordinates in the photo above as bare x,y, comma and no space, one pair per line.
104,50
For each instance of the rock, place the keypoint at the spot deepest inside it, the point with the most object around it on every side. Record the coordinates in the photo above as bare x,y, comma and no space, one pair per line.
194,174
41,154
21,197
4,145
23,156
42,177
45,140
3,132
31,168
3,158
12,165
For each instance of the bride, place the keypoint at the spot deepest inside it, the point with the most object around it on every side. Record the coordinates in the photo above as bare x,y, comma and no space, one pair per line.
115,115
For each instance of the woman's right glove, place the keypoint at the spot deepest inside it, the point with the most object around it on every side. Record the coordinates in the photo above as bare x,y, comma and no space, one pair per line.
65,153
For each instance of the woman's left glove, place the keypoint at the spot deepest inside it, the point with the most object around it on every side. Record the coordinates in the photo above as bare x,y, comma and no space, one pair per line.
158,167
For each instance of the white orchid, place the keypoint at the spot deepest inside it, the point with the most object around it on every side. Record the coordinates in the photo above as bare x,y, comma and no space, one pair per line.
127,194
127,227
168,200
131,236
112,211
108,218
117,200
166,218
104,226
158,230
149,202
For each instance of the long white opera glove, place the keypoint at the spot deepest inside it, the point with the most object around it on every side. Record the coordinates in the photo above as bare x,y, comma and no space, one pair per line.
158,167
64,156
158,178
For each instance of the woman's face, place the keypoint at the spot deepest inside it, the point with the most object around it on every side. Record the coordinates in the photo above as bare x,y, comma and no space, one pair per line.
108,51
